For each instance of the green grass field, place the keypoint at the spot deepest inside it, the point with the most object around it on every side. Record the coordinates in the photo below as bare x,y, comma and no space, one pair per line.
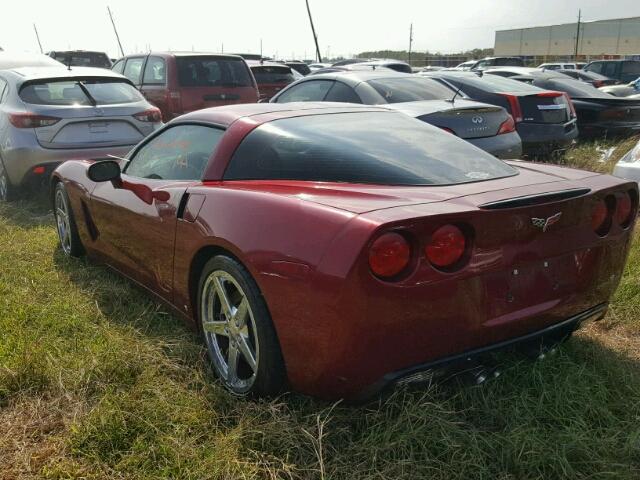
97,380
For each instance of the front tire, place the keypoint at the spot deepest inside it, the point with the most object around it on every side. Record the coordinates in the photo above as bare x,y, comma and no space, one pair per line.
241,341
66,223
8,192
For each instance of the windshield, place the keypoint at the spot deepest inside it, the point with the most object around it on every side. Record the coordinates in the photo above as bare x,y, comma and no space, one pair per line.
272,74
368,147
84,59
80,92
212,71
410,89
576,88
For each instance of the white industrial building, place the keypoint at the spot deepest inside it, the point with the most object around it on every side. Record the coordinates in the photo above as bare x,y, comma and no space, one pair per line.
617,37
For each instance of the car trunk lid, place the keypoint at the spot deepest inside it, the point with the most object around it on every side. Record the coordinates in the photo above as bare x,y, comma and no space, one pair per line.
545,107
464,118
90,127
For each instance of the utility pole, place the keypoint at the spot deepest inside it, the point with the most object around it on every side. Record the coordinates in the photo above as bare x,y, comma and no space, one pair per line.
116,31
313,30
260,49
410,41
575,56
38,37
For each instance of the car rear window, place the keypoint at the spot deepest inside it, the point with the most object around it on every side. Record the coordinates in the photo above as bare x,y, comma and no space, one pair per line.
408,89
212,71
383,148
494,83
272,74
79,92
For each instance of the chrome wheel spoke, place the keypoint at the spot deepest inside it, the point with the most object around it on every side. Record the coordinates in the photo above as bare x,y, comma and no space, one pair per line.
232,363
217,328
222,296
247,353
240,313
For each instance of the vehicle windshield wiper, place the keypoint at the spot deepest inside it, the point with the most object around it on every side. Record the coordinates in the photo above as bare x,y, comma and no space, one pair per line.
86,92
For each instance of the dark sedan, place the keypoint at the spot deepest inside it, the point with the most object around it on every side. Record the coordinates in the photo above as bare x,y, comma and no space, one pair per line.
591,78
545,120
599,113
488,127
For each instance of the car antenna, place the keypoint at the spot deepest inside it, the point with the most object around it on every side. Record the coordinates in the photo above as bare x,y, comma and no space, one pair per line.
453,100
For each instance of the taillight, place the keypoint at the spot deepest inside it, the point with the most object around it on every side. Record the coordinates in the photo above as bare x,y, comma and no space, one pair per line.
624,208
572,108
601,215
389,255
514,106
150,115
507,126
446,246
448,130
549,94
31,120
598,83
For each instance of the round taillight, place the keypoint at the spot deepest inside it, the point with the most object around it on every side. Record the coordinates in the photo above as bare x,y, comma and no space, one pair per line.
446,246
623,210
599,215
389,255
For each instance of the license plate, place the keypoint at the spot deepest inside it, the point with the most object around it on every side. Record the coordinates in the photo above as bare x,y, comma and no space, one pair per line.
98,127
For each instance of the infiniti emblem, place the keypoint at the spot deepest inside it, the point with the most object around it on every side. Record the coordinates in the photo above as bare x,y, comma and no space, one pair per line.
477,119
545,223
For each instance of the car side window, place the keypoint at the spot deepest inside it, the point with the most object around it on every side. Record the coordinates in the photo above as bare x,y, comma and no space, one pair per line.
595,67
155,72
631,67
118,67
312,91
133,69
341,92
609,69
181,152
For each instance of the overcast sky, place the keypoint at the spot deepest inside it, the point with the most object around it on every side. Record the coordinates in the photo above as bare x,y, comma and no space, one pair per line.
344,26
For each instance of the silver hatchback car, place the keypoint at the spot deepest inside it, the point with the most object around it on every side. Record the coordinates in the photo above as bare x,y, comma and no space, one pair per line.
49,115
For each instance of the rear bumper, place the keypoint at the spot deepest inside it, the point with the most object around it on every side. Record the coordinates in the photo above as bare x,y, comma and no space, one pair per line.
506,146
541,138
451,365
599,129
20,162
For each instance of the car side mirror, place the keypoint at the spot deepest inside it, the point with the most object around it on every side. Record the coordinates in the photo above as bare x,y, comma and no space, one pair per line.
104,171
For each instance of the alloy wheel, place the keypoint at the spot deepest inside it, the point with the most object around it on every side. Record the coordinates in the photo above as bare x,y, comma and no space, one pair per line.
4,185
62,222
230,331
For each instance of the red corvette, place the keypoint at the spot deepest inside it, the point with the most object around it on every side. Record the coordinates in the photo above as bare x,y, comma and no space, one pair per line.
337,249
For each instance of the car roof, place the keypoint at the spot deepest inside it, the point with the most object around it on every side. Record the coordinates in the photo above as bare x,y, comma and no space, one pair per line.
259,63
228,114
25,74
9,60
355,77
184,54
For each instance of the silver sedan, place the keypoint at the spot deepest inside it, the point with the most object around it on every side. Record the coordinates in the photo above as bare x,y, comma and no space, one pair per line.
49,115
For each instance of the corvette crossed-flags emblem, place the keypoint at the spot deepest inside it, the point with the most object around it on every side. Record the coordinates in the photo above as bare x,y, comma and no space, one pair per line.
545,223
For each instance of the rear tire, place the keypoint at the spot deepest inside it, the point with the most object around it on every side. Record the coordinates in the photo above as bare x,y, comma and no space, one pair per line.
8,192
66,223
238,330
